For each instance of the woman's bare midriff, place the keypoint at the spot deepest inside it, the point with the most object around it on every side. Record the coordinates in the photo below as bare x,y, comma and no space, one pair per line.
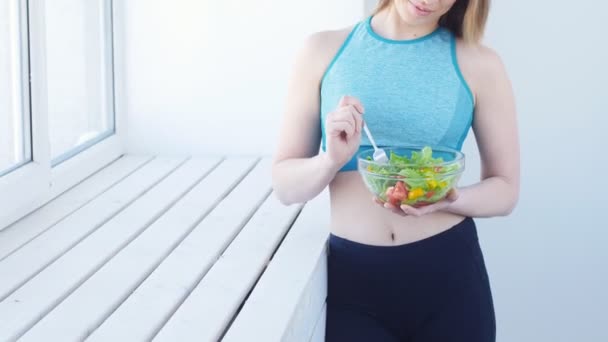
356,217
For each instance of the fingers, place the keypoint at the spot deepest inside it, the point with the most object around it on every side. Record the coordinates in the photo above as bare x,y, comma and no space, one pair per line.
350,109
337,127
357,118
348,114
409,210
346,119
395,209
389,206
353,101
452,195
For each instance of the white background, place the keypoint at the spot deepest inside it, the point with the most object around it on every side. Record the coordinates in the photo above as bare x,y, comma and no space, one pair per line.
549,260
208,77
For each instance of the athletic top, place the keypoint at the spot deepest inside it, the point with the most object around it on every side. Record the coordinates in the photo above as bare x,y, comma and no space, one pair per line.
412,90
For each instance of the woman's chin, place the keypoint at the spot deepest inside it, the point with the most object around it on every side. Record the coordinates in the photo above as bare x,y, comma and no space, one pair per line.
416,12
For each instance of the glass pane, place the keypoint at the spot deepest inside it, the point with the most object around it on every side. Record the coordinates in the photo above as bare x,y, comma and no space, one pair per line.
15,144
79,71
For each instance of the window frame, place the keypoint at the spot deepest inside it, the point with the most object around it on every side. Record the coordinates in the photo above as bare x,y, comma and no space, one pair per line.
35,183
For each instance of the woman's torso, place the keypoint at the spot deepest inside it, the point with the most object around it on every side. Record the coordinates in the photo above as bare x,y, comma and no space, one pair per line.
413,93
356,217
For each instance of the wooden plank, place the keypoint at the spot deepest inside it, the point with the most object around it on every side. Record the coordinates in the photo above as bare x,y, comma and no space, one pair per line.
319,332
310,305
220,293
29,260
21,310
94,301
146,310
19,233
279,291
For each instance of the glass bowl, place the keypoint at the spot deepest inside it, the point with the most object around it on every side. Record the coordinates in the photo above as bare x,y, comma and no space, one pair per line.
415,175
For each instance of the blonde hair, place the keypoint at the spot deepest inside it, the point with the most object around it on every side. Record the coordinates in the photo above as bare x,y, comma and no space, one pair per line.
466,19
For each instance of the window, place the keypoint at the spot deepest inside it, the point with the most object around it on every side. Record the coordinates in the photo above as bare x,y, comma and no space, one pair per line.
57,117
15,147
79,78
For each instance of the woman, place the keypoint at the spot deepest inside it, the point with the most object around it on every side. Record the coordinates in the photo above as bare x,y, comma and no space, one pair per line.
415,73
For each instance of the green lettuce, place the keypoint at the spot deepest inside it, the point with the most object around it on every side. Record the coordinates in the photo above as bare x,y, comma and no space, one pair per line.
418,171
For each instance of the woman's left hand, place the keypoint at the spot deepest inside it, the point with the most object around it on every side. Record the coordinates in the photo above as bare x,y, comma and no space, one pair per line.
406,210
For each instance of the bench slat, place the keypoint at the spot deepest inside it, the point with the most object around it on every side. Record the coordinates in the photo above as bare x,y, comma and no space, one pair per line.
319,330
310,305
38,296
146,310
95,300
27,261
207,312
22,231
270,310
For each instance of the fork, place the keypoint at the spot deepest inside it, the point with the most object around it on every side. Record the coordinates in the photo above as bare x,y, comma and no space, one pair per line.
379,154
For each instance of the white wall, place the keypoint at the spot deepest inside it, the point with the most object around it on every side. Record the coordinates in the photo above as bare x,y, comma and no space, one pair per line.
192,66
549,260
209,75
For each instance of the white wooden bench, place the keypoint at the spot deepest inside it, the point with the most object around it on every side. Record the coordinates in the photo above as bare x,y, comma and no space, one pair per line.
167,249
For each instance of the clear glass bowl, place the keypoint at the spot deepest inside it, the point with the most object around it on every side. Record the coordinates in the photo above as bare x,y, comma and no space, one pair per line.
414,175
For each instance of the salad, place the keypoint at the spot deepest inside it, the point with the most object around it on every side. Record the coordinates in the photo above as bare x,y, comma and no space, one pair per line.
417,181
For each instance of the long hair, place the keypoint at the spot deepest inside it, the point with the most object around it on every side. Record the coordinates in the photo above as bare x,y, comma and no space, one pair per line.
466,19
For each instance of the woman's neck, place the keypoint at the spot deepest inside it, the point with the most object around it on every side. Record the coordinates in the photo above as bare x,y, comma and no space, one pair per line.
389,24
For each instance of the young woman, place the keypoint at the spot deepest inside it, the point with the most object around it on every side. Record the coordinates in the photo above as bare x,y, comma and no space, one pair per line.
415,73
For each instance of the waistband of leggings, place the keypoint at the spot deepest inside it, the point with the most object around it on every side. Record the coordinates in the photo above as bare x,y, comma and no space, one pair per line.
464,227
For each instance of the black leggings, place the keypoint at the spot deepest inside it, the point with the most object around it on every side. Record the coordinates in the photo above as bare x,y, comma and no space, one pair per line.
433,290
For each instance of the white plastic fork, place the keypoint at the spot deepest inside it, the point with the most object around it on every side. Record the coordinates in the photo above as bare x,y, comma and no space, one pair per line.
379,154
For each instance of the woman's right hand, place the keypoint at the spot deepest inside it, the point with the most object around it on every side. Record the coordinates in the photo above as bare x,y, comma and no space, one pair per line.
343,128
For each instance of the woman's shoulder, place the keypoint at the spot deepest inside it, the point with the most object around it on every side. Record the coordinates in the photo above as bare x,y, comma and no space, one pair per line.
482,55
478,59
327,42
480,65
319,48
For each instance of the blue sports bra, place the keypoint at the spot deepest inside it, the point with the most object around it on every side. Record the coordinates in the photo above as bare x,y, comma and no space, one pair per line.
412,90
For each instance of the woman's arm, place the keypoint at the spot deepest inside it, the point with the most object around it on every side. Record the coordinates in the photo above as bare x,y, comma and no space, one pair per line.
496,133
299,172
